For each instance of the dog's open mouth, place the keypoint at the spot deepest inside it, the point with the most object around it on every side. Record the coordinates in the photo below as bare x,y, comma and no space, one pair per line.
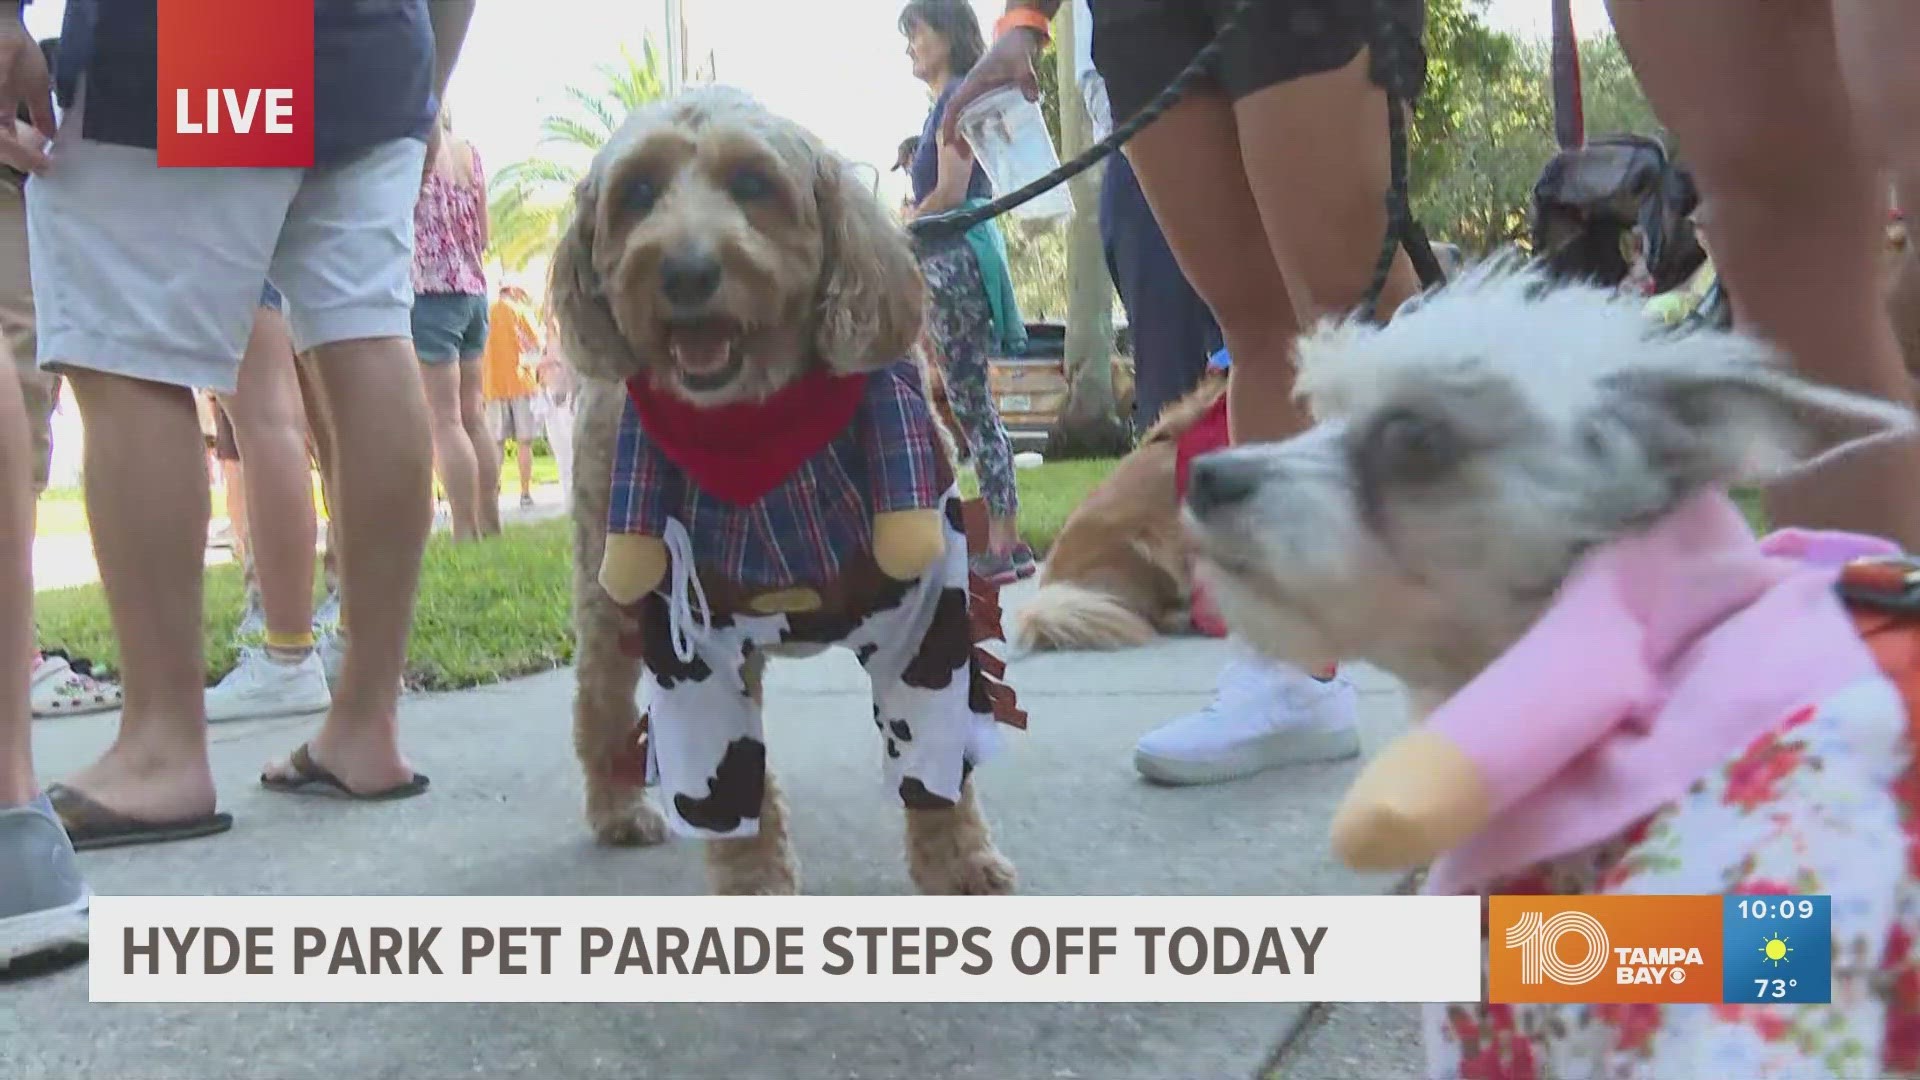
707,353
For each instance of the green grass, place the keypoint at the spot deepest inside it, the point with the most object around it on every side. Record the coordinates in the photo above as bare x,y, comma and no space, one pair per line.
1749,502
60,512
492,610
63,510
487,611
1048,494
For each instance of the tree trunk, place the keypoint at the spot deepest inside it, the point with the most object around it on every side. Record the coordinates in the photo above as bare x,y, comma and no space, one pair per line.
1088,424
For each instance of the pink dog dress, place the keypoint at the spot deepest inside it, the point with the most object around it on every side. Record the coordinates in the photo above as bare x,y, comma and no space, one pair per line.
1695,713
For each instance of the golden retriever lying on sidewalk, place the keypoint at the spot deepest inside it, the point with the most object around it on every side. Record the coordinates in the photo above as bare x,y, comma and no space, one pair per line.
1119,574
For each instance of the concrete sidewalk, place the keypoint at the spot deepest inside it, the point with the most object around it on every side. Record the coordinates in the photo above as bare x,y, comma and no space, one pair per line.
504,818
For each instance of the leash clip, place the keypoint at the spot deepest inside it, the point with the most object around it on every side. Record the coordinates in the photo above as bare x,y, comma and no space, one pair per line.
1884,583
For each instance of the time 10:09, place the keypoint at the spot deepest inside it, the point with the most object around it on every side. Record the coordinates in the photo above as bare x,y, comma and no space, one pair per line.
1782,909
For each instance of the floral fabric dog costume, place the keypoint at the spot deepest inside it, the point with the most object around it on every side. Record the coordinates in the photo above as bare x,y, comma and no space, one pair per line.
772,520
1702,716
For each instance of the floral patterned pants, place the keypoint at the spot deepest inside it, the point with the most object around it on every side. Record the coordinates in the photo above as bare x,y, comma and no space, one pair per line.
1824,804
961,324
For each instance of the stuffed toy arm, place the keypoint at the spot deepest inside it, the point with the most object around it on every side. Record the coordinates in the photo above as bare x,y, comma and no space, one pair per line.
634,565
643,490
907,473
1555,693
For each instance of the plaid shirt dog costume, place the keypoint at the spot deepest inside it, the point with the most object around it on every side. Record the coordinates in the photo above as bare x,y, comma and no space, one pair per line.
937,696
803,530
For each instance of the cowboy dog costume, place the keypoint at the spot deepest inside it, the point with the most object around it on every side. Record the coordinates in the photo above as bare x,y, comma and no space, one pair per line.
827,515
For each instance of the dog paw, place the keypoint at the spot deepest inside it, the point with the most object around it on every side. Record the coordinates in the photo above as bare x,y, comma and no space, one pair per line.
629,822
984,872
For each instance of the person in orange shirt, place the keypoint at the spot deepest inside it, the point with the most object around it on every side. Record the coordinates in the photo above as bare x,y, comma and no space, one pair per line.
509,383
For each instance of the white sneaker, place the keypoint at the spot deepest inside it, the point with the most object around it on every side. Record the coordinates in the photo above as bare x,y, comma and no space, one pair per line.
43,899
260,686
331,647
326,617
332,651
253,619
1263,715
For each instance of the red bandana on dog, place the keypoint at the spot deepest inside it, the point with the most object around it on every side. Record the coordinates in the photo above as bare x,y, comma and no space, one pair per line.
741,452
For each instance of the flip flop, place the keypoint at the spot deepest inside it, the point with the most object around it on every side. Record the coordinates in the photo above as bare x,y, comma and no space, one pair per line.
309,777
91,824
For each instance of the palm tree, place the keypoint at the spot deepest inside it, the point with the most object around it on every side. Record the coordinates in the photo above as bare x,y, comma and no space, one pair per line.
529,199
1089,423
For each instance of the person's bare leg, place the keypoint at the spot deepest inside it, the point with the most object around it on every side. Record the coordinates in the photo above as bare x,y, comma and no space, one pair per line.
269,425
43,897
17,784
1264,713
1878,42
486,449
320,429
1903,304
453,450
384,460
1189,166
147,507
1754,92
233,494
523,456
1325,212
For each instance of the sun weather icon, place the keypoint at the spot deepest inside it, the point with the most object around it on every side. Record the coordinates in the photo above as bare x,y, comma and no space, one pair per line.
1775,948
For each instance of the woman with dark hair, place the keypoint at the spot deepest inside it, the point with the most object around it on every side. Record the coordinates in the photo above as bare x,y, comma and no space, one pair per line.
973,314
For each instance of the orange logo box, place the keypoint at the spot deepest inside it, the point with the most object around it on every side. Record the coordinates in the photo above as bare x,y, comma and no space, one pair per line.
1604,949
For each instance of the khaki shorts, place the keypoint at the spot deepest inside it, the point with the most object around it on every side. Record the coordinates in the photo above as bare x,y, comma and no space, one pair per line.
155,274
41,389
513,418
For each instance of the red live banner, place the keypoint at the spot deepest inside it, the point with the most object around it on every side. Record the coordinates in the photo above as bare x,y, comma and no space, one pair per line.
236,83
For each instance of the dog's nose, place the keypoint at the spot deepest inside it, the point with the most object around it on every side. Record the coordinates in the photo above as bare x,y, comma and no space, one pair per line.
690,278
1220,481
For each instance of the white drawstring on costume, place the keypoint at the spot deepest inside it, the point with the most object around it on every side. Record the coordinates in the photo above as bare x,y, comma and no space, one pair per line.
685,587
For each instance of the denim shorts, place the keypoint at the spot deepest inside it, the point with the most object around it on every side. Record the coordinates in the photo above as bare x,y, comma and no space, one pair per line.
270,298
449,327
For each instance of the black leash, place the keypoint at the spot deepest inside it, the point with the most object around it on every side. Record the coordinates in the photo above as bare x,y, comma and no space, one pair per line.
1388,72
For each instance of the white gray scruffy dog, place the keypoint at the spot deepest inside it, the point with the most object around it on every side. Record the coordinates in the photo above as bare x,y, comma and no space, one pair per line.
1512,500
1470,451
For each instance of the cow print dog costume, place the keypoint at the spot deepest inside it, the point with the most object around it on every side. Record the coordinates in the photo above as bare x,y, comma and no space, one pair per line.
802,540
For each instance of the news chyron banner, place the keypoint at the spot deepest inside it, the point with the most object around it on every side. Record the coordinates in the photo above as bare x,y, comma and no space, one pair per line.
872,949
838,949
235,83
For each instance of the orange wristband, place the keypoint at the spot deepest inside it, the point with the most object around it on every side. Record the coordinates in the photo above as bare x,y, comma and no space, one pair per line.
1023,17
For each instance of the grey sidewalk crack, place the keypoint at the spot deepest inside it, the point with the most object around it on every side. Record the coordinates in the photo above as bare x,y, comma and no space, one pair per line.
1310,1019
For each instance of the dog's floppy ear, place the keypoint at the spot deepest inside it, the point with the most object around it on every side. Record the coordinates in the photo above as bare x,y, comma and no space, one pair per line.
872,297
1326,368
1716,408
594,345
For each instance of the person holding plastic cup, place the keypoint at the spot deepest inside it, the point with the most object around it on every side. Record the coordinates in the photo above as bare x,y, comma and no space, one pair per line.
973,314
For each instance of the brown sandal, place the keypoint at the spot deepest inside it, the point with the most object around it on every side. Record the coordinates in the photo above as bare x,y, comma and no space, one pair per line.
91,824
309,777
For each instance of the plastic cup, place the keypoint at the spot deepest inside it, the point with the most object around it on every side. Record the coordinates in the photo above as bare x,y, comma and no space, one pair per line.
1009,137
